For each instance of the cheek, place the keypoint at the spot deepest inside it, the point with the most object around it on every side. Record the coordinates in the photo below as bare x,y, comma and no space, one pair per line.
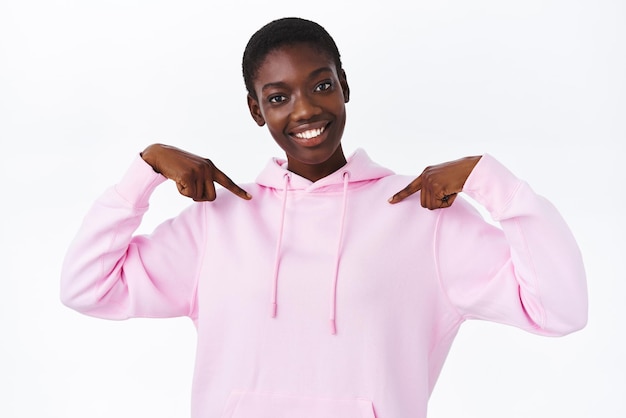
336,104
274,125
340,112
275,118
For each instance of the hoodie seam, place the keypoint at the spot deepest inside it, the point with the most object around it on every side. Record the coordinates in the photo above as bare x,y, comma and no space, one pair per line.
542,319
353,185
98,293
436,240
460,318
508,201
497,214
143,197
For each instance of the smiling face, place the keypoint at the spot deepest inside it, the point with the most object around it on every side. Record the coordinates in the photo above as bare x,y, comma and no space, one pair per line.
301,97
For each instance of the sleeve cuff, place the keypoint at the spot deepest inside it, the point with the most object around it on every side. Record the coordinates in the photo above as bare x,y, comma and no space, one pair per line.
492,185
138,183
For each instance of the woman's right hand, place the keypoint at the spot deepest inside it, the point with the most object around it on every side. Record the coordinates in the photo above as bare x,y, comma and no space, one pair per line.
194,175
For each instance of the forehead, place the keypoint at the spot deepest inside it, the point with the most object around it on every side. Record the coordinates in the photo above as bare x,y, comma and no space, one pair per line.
293,61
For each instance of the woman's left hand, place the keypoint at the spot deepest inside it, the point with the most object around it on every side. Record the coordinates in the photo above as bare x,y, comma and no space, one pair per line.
439,183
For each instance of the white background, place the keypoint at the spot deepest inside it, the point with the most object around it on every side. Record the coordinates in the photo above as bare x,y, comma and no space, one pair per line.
85,85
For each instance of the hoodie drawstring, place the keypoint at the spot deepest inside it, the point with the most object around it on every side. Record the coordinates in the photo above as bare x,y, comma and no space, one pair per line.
333,288
279,243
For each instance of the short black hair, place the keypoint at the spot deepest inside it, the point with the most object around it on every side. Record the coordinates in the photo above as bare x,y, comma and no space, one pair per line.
281,32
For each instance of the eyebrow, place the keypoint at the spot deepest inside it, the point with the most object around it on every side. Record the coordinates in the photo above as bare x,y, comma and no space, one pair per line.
313,74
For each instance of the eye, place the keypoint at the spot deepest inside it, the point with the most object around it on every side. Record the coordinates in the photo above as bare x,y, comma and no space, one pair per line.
323,86
277,98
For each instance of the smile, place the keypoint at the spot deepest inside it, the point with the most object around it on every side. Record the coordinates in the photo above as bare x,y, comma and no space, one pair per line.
311,133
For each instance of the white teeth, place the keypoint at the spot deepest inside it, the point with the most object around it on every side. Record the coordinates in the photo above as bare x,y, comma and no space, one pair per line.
311,133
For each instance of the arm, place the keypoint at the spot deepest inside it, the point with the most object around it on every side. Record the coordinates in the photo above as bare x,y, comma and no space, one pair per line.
108,272
111,274
529,273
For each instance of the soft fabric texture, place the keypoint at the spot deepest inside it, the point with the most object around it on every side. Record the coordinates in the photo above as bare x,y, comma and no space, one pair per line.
322,299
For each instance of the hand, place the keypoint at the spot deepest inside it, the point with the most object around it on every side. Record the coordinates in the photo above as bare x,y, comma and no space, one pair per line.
194,175
439,183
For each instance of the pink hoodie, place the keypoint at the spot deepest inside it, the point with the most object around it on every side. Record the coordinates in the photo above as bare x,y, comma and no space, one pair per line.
320,300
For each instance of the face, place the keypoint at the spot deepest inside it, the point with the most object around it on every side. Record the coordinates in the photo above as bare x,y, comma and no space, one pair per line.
301,98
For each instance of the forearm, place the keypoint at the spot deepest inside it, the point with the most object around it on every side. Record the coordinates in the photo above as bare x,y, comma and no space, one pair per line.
547,262
93,266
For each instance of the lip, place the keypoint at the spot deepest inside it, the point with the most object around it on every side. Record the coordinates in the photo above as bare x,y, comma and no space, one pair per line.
310,142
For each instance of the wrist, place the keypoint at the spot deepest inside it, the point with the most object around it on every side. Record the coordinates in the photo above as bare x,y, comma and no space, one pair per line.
149,155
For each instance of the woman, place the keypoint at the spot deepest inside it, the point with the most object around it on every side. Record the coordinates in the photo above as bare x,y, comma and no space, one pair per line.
315,293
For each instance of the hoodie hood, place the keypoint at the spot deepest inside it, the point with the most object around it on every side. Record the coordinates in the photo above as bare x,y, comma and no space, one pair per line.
359,166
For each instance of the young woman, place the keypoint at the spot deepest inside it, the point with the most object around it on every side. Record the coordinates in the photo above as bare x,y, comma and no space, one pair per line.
324,289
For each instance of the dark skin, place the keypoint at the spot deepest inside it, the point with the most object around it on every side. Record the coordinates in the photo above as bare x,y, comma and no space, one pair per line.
194,176
301,97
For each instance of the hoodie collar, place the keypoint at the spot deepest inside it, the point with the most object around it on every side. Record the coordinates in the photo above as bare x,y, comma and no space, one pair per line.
359,165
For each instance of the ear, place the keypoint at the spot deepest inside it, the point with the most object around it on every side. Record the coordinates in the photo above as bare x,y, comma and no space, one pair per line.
255,111
343,80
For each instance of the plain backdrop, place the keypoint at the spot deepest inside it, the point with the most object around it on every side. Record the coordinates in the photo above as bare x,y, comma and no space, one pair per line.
86,85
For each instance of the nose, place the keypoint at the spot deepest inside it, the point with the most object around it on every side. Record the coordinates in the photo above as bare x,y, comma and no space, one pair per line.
304,108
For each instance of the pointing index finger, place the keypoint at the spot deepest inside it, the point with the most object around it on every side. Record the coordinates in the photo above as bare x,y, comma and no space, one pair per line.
223,180
411,188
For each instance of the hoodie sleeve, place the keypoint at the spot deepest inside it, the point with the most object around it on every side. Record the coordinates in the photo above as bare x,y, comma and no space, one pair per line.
109,273
528,273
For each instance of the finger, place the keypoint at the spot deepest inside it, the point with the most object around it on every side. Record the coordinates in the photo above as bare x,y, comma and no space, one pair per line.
446,200
209,190
186,189
228,184
431,201
200,194
411,188
450,199
425,197
203,190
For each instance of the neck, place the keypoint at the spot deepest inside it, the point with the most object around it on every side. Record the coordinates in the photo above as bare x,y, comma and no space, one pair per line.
314,172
